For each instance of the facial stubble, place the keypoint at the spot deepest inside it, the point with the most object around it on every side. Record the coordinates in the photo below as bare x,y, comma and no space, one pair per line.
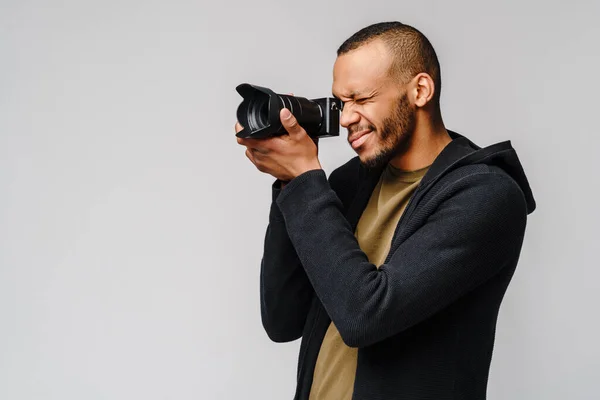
395,134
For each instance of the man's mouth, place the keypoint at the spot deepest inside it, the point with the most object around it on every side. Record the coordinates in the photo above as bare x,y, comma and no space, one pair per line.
357,139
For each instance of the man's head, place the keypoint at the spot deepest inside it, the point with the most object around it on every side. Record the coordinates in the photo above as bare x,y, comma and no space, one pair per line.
387,76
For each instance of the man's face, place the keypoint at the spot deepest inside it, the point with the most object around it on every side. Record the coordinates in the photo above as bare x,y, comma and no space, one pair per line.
377,112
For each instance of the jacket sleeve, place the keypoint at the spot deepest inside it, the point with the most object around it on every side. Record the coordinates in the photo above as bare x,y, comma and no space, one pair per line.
475,230
285,292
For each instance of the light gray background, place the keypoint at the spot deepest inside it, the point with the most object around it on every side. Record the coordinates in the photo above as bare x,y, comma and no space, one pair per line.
131,223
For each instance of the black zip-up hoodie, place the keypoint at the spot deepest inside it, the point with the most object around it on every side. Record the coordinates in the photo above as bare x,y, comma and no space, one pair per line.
424,322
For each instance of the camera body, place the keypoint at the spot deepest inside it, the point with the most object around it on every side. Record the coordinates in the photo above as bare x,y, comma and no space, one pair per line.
259,113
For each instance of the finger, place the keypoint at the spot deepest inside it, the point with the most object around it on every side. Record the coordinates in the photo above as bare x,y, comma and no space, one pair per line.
257,148
290,123
250,156
254,157
238,127
249,142
260,150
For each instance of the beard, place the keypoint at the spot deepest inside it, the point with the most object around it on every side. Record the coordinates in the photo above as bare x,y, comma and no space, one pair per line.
395,134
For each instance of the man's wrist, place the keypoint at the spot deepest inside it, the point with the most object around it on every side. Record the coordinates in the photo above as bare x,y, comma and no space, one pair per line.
316,166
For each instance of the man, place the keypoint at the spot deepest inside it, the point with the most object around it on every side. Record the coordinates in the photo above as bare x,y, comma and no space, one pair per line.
392,270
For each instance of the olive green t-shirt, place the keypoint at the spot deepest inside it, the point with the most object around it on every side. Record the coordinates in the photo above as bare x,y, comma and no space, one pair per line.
335,370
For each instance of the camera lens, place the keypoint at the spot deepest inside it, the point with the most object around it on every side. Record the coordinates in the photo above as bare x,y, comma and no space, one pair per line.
258,111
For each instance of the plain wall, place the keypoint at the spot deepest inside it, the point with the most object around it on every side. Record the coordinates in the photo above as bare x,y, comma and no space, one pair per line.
132,224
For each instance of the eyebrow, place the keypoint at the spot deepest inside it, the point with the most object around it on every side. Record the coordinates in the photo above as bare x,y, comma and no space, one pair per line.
352,94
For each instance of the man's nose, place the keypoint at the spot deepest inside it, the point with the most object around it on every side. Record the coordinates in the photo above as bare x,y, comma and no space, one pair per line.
348,116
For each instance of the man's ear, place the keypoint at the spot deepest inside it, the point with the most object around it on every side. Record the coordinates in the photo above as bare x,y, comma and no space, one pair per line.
424,89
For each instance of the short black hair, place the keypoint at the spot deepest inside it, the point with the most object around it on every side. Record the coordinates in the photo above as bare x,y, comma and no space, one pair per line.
412,51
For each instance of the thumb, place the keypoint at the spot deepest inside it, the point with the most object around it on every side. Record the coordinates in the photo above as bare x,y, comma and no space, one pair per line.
290,123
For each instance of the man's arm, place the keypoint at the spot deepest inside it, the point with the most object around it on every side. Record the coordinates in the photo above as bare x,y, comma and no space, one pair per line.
285,292
476,229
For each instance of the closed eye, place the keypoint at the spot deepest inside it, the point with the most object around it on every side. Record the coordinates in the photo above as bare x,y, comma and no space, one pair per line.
339,100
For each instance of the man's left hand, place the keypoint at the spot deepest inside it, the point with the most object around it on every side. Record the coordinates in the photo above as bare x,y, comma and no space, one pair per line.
285,156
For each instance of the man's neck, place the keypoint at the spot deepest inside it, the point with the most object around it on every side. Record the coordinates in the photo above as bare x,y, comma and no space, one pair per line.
426,144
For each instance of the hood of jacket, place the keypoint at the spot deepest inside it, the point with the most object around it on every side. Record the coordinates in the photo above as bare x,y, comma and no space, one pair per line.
461,151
